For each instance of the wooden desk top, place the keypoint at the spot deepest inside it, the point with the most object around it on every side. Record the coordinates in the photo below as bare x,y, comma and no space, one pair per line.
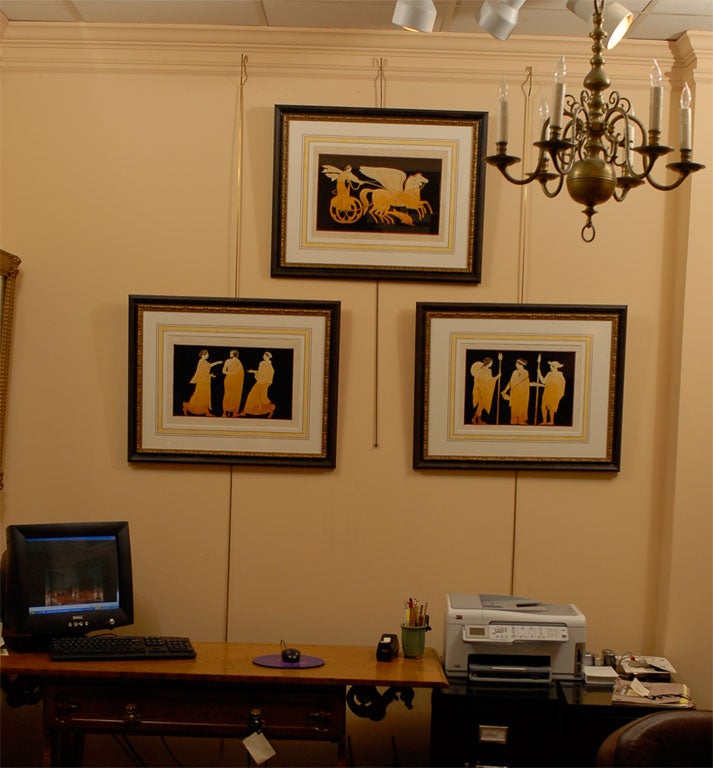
232,662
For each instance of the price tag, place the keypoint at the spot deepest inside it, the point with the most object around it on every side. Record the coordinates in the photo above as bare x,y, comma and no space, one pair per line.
259,747
638,688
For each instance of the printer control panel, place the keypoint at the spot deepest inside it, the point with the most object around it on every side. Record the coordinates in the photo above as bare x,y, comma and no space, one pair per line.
512,633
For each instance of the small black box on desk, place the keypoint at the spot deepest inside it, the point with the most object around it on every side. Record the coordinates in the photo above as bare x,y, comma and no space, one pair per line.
387,648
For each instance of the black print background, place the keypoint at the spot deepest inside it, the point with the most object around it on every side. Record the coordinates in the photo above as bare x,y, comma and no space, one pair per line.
185,359
429,167
564,415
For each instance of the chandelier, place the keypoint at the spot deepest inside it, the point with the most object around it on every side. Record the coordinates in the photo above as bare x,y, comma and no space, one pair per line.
590,143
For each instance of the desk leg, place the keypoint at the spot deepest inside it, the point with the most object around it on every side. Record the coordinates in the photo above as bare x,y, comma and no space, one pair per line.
341,753
63,749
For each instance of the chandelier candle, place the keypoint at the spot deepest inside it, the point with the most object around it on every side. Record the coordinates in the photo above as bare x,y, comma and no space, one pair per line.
503,111
656,106
685,119
558,94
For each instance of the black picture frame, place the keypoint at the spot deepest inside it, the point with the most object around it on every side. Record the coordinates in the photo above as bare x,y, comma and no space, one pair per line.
388,194
233,381
519,386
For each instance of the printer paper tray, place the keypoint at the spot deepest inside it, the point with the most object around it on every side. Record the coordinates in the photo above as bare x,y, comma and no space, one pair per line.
509,669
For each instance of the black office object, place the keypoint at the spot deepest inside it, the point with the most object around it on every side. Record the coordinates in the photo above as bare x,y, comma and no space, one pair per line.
120,647
387,647
65,579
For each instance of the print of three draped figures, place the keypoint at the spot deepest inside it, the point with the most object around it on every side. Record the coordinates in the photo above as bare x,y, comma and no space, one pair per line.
516,393
257,402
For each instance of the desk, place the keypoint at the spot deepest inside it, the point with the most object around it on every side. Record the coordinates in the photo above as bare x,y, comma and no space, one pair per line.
220,693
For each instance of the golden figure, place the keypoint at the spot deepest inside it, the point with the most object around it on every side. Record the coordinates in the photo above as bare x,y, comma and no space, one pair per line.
483,388
232,384
257,402
344,208
517,392
199,403
554,384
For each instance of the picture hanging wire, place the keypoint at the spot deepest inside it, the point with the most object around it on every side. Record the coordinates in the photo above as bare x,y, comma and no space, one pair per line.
526,88
238,149
380,84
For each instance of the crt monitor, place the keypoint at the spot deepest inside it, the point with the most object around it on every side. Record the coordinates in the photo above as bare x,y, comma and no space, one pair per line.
64,579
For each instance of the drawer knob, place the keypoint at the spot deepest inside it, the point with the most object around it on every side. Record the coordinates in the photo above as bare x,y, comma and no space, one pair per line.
321,716
64,709
132,716
255,721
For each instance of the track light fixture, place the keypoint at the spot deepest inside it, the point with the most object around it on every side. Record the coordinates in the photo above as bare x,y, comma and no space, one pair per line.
499,17
590,143
616,22
415,15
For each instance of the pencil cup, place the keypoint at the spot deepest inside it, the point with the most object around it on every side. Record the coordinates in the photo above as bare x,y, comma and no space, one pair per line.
413,640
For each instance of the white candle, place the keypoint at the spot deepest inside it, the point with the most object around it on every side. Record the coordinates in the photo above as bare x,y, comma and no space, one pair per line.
503,113
685,119
558,95
656,105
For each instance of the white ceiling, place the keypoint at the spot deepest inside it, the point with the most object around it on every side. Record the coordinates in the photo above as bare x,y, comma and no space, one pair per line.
653,20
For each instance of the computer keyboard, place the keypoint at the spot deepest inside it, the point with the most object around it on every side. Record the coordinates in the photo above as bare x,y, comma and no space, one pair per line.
111,647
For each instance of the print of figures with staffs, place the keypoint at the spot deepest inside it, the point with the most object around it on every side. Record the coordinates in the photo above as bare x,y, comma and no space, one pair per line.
519,388
378,194
251,382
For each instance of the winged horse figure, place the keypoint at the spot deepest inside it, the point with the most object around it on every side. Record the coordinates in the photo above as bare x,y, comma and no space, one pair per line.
396,190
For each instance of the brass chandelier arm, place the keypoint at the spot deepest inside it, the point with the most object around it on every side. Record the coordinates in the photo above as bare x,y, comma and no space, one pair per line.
502,161
684,168
551,192
623,185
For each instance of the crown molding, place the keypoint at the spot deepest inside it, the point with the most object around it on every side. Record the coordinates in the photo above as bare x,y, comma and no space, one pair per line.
694,51
333,53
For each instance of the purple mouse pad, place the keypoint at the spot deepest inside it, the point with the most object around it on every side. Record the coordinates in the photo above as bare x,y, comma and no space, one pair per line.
275,660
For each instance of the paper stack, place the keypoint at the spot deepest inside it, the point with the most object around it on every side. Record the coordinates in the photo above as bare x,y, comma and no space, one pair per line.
604,676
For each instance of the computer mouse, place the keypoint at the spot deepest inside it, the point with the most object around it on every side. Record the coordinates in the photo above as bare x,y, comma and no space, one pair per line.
290,655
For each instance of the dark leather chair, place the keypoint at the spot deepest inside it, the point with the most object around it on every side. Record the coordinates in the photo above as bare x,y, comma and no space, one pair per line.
673,738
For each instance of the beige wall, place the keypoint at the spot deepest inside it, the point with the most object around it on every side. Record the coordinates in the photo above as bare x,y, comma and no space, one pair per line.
124,171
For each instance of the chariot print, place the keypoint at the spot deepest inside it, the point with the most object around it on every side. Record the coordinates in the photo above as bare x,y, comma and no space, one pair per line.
376,194
383,195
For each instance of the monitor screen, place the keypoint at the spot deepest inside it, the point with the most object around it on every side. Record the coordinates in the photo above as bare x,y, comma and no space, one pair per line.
66,579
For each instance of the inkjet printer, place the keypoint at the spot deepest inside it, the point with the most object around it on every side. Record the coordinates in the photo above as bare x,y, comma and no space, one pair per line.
504,639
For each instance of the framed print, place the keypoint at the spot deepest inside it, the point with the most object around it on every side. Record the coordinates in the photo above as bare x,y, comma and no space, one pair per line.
378,193
518,386
233,381
9,270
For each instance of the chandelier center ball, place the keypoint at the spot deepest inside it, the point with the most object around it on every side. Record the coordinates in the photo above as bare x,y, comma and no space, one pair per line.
591,181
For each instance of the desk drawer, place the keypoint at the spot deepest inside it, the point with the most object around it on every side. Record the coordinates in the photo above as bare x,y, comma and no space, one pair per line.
283,711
